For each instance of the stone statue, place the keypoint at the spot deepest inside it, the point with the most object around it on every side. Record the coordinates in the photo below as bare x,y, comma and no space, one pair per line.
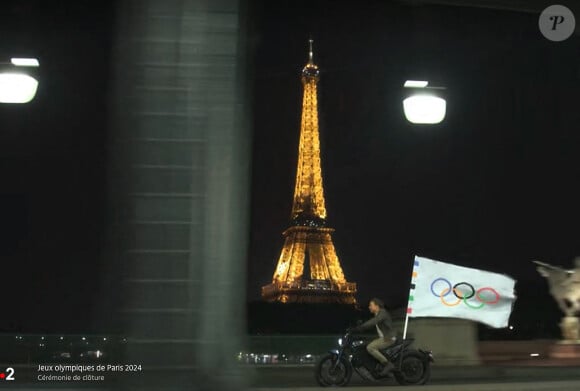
565,288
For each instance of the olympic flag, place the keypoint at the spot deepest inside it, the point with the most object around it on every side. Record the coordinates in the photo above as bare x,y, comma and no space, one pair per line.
444,290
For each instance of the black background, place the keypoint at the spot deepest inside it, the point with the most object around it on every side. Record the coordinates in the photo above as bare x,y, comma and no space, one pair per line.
494,186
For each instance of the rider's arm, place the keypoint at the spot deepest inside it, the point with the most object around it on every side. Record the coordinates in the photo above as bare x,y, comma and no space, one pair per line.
372,322
381,317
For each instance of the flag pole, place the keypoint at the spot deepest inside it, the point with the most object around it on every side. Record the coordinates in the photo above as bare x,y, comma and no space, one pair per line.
407,310
405,328
406,320
404,338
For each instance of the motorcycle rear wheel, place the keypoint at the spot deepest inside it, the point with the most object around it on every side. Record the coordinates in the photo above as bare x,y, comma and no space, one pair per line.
327,376
415,369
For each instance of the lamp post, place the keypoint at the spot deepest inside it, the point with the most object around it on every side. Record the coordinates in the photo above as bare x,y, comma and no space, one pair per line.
423,104
17,84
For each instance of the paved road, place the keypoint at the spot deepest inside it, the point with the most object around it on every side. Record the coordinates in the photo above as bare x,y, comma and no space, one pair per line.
295,377
522,386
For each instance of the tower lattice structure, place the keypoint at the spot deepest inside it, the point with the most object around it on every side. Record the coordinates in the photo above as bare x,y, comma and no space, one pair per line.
308,241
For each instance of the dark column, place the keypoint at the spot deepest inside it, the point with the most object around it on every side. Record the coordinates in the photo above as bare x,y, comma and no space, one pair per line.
179,179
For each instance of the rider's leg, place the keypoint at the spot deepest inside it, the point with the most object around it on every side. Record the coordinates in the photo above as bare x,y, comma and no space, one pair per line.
374,349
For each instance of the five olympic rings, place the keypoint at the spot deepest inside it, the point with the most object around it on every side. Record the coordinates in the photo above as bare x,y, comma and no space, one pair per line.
462,296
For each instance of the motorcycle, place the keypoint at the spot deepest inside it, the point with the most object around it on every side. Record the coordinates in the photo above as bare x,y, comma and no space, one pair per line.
412,366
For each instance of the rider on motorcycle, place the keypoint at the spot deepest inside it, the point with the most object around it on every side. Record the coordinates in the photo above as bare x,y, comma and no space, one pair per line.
382,322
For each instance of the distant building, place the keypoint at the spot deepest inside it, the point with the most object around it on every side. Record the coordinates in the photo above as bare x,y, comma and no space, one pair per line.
308,241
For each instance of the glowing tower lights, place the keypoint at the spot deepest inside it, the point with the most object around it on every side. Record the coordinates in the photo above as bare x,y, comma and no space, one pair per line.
308,240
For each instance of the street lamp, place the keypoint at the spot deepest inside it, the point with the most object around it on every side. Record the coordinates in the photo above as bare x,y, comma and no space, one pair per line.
423,104
16,84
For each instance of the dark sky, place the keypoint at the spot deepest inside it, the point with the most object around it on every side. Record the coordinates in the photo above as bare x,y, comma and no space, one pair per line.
494,186
52,159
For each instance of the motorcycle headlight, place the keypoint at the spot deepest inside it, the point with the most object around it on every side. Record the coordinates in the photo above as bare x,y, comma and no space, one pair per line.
340,342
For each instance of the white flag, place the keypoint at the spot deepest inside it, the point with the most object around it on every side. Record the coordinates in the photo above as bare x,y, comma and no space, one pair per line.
444,290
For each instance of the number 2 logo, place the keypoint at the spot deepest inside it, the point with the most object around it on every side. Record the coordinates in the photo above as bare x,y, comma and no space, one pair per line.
8,375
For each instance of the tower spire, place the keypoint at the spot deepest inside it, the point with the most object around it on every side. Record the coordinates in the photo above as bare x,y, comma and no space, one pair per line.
310,71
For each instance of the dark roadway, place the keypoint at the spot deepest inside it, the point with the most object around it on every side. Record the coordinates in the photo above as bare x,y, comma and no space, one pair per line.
302,376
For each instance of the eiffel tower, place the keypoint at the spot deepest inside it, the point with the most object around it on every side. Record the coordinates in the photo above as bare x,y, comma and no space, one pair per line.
308,241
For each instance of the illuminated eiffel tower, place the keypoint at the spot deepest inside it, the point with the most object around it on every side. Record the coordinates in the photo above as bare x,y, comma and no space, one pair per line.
308,239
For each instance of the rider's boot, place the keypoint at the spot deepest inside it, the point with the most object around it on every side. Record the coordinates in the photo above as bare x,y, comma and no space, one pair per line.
387,369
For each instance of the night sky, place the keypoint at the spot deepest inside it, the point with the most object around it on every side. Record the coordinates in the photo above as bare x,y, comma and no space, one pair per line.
53,159
494,186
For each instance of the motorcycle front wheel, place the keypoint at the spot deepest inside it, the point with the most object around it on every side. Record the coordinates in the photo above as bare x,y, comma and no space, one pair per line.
415,369
330,373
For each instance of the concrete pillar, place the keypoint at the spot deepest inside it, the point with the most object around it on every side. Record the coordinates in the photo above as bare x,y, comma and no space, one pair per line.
180,190
453,341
